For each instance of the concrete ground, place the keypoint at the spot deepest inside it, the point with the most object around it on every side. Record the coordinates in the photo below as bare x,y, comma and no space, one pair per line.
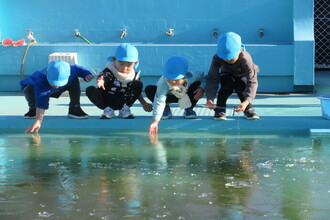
294,111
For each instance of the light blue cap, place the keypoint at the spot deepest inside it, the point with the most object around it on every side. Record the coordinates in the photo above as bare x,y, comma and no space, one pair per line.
175,68
58,73
127,52
229,45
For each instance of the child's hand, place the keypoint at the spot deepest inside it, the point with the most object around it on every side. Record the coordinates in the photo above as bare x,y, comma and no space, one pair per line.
100,82
89,77
241,107
153,129
147,107
34,128
198,93
210,104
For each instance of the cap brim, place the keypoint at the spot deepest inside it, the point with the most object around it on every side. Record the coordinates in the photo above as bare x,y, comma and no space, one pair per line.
126,59
228,56
169,76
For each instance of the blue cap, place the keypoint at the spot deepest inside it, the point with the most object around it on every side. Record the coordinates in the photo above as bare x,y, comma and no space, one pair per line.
229,45
127,52
58,73
175,68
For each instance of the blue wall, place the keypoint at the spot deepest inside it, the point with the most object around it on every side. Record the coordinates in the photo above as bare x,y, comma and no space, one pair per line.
146,21
287,24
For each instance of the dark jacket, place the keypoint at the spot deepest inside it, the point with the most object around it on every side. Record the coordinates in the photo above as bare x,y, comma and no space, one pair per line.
113,85
243,67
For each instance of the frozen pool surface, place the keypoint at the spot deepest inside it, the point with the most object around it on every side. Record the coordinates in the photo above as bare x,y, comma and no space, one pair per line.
117,175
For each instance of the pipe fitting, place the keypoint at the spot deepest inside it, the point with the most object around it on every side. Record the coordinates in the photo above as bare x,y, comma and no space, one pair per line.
261,32
170,32
123,33
77,34
30,36
215,33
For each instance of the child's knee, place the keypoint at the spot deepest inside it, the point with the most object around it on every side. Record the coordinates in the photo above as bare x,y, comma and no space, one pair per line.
240,86
150,89
137,85
28,89
90,90
150,92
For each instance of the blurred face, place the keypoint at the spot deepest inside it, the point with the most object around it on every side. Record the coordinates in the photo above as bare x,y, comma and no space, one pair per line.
231,61
123,66
175,82
55,87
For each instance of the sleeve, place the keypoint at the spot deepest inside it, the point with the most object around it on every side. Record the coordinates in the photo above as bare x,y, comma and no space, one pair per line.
79,71
160,99
42,89
23,83
213,79
198,76
31,80
105,73
42,98
250,70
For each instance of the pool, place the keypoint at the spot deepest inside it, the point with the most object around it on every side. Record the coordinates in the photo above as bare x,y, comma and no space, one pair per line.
197,175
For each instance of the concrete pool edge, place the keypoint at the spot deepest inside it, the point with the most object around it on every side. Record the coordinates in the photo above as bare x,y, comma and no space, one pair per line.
142,122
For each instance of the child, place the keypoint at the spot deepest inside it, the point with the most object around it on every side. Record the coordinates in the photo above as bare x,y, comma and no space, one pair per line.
177,85
52,81
118,85
233,69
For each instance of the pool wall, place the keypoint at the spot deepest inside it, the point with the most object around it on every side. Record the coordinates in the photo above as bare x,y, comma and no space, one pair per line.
278,34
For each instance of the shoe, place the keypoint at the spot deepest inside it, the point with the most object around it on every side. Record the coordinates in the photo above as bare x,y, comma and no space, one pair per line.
189,113
77,113
125,112
250,114
31,114
108,113
167,112
220,114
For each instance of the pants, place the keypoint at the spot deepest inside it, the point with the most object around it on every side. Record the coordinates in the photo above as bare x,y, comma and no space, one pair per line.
228,84
102,99
74,94
151,92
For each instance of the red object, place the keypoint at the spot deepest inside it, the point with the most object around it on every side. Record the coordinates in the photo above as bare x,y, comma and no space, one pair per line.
19,43
7,42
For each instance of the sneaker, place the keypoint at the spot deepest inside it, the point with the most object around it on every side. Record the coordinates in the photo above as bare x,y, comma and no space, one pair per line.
108,113
189,113
167,112
250,114
31,114
125,112
77,113
220,114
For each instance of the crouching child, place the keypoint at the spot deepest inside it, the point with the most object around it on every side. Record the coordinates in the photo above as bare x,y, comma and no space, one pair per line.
52,81
118,85
177,85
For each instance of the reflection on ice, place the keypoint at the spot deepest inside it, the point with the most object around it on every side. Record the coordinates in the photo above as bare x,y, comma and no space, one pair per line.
238,184
266,165
45,214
